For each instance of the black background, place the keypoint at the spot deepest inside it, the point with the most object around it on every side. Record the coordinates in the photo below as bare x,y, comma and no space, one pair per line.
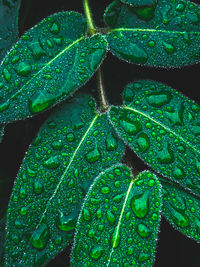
173,249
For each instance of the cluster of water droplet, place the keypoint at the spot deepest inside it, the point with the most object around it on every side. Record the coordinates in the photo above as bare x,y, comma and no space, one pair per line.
71,149
119,221
48,64
162,126
163,34
181,208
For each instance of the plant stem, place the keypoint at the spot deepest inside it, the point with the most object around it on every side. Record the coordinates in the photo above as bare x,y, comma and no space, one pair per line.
102,96
88,15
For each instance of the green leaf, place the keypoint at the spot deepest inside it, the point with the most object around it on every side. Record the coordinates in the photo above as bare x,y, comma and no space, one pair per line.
139,3
73,146
9,25
181,209
119,220
163,128
48,64
166,34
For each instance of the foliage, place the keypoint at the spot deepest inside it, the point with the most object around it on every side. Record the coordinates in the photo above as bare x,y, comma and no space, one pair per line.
72,185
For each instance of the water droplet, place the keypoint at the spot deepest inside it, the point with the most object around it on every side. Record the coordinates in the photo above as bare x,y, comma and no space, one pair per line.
143,230
105,190
143,257
143,142
36,49
158,99
58,41
30,172
179,217
166,155
40,237
139,204
178,173
38,187
6,75
23,69
55,28
52,162
70,137
111,142
118,198
115,238
169,48
93,155
198,225
22,193
41,102
4,106
67,223
57,145
86,214
96,252
110,217
131,128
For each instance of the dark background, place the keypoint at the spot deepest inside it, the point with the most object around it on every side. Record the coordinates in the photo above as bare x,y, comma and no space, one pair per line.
173,249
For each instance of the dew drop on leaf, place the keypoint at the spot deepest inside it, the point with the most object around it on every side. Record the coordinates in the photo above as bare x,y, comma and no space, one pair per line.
139,204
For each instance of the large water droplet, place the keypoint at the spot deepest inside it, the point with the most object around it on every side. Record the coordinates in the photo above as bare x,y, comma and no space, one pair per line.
131,127
41,102
52,162
55,28
143,230
110,217
143,142
111,142
96,252
23,69
159,99
143,257
139,204
179,217
115,238
166,155
36,49
40,236
134,53
38,187
93,155
67,223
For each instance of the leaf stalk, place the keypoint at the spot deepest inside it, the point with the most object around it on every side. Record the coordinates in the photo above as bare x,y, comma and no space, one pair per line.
102,96
91,27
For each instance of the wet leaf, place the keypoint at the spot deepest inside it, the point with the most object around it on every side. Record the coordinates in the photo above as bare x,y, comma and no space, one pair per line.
9,25
139,3
165,34
121,228
181,209
163,127
73,146
48,64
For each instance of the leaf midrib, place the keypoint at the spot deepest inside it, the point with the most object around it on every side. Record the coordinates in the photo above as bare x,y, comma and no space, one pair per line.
162,125
149,30
44,67
67,168
120,219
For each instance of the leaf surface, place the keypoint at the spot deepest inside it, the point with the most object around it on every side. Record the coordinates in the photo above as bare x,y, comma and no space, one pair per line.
139,3
181,209
48,64
166,34
119,220
73,146
9,25
163,127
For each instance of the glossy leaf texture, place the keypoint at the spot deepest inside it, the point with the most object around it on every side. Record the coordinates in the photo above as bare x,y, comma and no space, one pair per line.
47,65
9,25
119,220
163,127
181,209
166,34
73,146
139,3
